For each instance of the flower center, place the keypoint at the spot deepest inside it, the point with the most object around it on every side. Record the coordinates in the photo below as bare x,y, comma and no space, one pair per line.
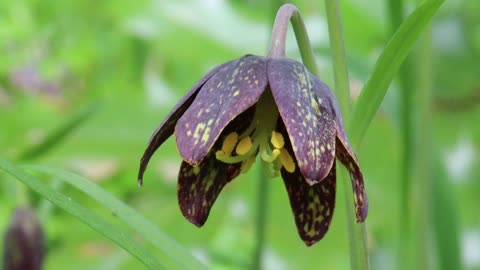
259,138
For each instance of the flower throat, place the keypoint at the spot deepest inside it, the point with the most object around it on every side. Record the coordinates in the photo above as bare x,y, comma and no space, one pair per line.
259,138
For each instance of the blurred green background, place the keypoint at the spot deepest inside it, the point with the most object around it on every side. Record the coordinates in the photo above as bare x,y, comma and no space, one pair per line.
130,61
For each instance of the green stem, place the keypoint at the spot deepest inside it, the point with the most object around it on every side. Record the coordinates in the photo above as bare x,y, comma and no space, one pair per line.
339,59
356,232
286,13
405,83
262,205
424,162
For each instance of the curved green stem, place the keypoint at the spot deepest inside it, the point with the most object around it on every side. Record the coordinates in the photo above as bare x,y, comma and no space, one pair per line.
286,13
356,232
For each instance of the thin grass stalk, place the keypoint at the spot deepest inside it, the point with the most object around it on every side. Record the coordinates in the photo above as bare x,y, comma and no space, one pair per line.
356,232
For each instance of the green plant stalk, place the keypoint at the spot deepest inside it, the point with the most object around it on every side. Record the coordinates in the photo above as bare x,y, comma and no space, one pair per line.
405,84
424,161
339,59
261,220
386,67
356,232
445,220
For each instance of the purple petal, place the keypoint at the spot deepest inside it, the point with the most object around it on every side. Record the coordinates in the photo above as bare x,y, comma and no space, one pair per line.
312,206
198,187
310,125
360,196
166,128
326,95
232,90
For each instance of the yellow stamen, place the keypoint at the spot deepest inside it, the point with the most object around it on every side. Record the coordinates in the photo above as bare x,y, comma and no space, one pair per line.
229,143
277,140
287,160
244,146
270,158
247,164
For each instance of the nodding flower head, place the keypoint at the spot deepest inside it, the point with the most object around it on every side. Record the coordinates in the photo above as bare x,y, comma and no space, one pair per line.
24,242
268,109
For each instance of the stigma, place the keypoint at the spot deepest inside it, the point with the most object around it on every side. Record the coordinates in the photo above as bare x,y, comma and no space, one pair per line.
260,139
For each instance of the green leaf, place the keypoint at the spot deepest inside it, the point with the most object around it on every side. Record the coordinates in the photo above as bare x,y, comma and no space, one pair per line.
387,66
111,231
170,249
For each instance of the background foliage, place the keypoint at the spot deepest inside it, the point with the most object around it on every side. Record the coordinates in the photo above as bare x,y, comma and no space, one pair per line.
83,84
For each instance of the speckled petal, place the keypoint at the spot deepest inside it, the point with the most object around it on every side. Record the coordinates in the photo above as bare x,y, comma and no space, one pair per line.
360,196
228,93
327,97
167,126
198,187
312,206
310,127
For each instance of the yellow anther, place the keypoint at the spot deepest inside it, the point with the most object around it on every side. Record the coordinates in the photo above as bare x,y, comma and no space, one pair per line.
244,146
287,160
277,140
229,143
247,164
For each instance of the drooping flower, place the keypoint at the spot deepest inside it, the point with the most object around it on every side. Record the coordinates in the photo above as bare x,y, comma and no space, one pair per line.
24,246
273,108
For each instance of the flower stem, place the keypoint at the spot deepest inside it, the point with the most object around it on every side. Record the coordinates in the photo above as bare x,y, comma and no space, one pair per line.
356,232
262,205
286,13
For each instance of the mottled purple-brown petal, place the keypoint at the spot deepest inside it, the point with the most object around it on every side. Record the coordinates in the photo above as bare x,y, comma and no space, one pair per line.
167,126
198,187
312,206
232,90
310,126
326,96
360,196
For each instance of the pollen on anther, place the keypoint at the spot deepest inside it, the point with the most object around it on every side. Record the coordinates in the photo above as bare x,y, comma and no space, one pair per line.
287,160
244,146
277,140
229,143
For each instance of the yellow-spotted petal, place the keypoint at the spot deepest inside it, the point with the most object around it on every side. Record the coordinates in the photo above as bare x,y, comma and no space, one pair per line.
232,90
199,187
312,206
166,128
308,121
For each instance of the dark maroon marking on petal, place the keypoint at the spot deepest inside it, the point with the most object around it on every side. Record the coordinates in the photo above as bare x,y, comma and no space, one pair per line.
360,195
310,125
198,187
167,126
228,93
312,206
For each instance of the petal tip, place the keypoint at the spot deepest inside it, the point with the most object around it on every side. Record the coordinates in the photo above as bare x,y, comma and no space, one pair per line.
310,243
199,222
362,210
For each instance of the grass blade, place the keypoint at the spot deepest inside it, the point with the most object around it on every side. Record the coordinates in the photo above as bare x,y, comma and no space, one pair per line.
171,249
112,232
387,66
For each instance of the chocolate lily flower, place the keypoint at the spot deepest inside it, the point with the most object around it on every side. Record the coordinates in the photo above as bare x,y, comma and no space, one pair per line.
273,108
